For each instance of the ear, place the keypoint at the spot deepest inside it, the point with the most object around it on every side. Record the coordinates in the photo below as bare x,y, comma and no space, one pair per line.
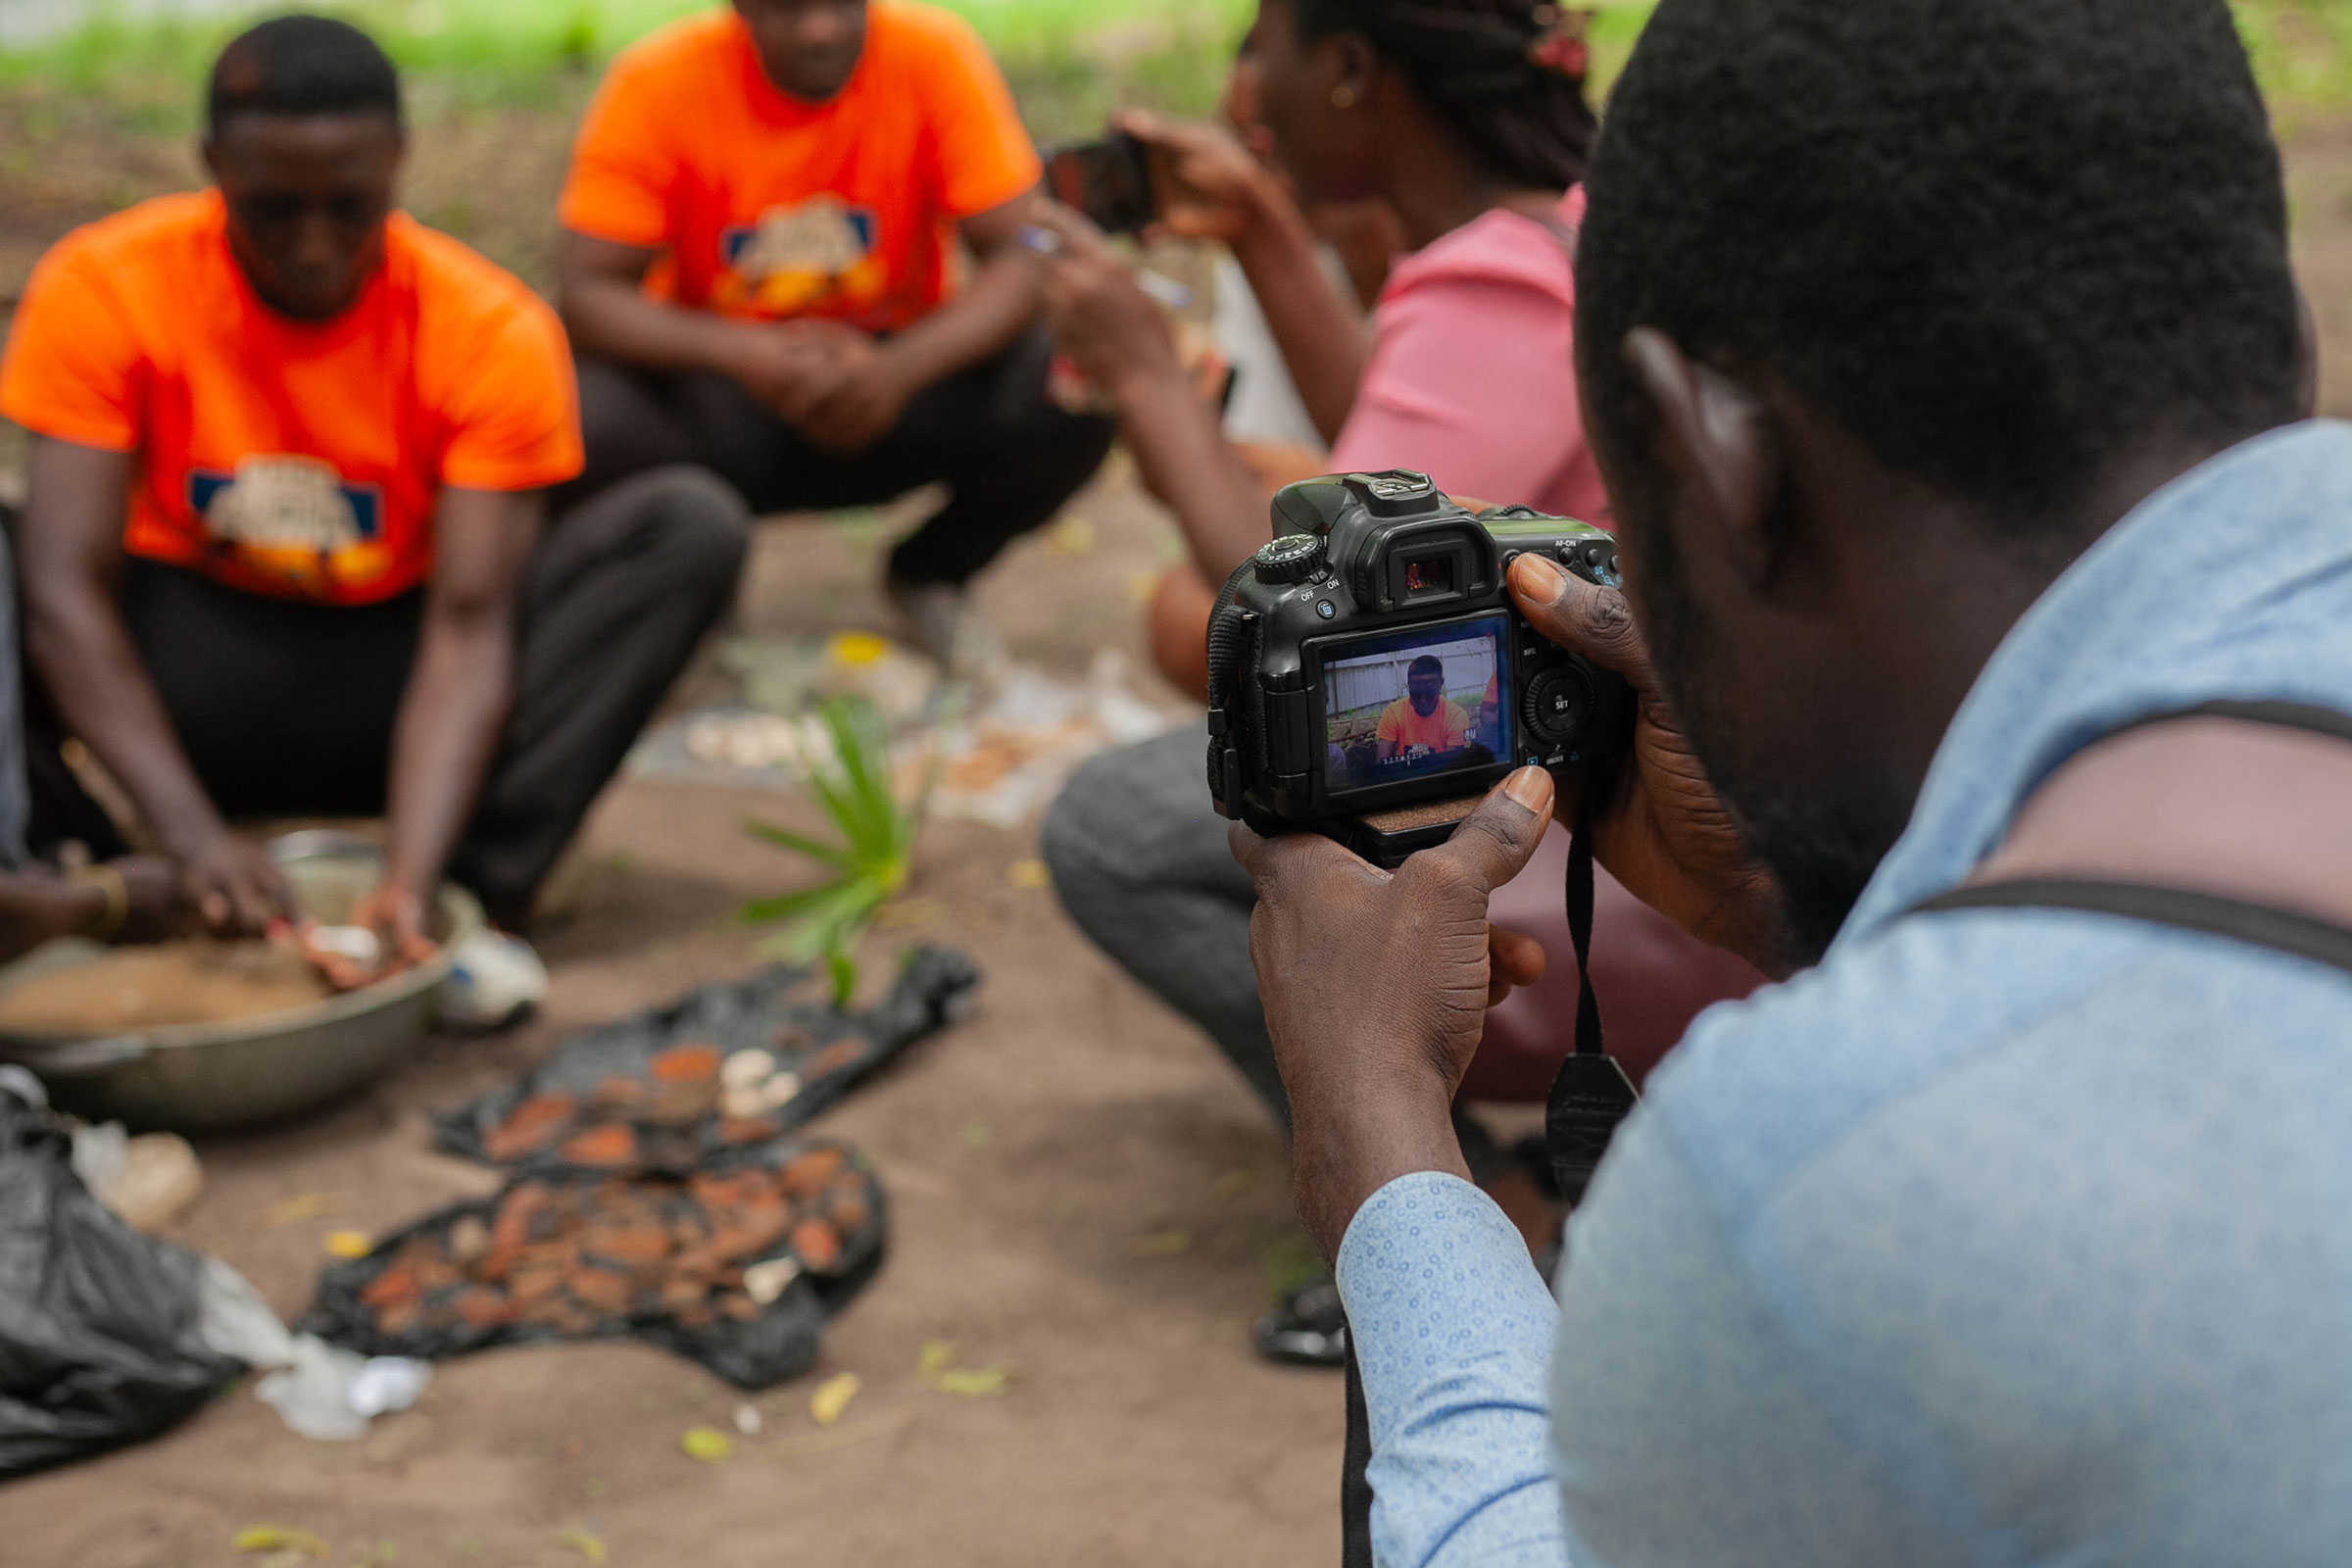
1355,63
208,150
1716,442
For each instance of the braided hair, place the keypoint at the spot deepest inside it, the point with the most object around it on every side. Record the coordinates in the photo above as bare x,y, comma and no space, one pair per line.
1507,75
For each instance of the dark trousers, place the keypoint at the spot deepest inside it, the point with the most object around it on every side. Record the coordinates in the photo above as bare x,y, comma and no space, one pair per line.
1008,456
287,710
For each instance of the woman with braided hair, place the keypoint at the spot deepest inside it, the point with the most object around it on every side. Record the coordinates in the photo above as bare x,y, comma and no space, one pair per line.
1468,120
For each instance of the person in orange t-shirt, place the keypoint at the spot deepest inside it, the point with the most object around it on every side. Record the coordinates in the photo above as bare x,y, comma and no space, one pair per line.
759,275
1423,722
283,551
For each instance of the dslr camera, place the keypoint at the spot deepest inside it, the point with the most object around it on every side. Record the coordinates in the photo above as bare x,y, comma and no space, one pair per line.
1370,678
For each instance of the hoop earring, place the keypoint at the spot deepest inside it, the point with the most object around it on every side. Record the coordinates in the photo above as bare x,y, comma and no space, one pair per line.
1343,97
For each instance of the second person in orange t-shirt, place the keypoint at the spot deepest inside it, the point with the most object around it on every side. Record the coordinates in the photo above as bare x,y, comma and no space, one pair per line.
759,275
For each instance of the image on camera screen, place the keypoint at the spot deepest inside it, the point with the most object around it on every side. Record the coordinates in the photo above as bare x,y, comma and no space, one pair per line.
1414,704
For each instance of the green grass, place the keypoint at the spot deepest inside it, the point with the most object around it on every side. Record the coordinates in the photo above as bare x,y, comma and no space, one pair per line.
2302,51
1071,60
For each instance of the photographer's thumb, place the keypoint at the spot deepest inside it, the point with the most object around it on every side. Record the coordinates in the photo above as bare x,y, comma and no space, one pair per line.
1496,842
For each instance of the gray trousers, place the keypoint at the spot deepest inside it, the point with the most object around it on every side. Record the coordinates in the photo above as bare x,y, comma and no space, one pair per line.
1139,859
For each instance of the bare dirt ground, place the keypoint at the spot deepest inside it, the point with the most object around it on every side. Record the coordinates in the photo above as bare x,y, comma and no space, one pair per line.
1083,1193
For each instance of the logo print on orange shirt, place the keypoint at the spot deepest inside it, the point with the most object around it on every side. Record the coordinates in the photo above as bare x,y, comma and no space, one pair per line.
819,253
293,518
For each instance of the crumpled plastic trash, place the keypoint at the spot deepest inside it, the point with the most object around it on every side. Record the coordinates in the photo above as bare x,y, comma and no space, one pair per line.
97,1323
324,1392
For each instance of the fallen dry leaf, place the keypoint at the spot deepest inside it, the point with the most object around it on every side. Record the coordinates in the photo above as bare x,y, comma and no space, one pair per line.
974,1383
832,1397
278,1538
937,1367
709,1444
347,1244
586,1542
1030,876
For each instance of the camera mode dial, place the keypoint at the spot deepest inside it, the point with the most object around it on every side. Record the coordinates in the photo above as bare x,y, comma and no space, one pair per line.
1560,703
1292,558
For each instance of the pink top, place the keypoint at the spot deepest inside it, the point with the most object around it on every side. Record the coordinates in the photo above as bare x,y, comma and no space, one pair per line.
1472,378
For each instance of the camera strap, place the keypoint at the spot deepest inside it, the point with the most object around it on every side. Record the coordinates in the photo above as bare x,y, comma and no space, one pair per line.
1592,1093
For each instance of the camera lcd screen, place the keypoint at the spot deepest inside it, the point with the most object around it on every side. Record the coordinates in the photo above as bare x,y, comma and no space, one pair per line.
1415,705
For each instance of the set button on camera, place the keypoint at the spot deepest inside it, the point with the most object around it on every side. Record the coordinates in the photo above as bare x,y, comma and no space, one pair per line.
1560,703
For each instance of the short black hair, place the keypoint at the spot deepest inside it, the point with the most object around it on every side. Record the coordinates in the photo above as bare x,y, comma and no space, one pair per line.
1999,241
1426,665
302,64
1507,75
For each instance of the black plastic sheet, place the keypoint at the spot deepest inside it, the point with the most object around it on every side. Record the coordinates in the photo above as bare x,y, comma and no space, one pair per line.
543,1238
608,1076
623,1148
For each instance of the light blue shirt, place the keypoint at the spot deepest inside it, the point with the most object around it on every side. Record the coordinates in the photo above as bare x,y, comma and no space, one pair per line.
2001,1236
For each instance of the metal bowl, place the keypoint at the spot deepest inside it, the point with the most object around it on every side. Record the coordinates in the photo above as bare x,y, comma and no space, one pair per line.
204,1077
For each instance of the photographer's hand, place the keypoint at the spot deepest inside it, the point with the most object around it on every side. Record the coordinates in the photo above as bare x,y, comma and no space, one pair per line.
1663,831
1376,988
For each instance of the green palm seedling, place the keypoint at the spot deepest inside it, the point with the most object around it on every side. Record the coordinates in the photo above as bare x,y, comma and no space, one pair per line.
871,862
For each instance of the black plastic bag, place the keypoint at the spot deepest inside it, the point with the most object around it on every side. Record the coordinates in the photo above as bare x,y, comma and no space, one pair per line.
612,1080
99,1341
574,1255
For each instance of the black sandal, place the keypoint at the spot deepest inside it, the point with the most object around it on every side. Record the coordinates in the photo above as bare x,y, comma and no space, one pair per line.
1308,1329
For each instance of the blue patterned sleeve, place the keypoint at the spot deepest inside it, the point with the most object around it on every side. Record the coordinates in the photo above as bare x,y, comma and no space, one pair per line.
1452,1329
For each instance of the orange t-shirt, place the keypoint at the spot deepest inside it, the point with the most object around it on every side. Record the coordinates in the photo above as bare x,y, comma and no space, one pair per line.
764,206
1445,729
298,460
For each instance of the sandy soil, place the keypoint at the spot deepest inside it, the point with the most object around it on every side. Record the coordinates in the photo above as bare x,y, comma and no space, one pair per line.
1083,1193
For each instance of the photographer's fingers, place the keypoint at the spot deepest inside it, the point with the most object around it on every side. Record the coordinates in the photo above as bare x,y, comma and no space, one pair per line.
1582,618
1496,842
1514,960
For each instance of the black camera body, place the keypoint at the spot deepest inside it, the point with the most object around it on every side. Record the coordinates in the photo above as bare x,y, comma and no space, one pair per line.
1370,678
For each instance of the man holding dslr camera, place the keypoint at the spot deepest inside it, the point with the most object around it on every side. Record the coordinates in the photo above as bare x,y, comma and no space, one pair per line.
1942,357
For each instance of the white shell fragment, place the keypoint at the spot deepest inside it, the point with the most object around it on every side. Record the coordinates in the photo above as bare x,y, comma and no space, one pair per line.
780,1091
764,1282
743,1103
747,1069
